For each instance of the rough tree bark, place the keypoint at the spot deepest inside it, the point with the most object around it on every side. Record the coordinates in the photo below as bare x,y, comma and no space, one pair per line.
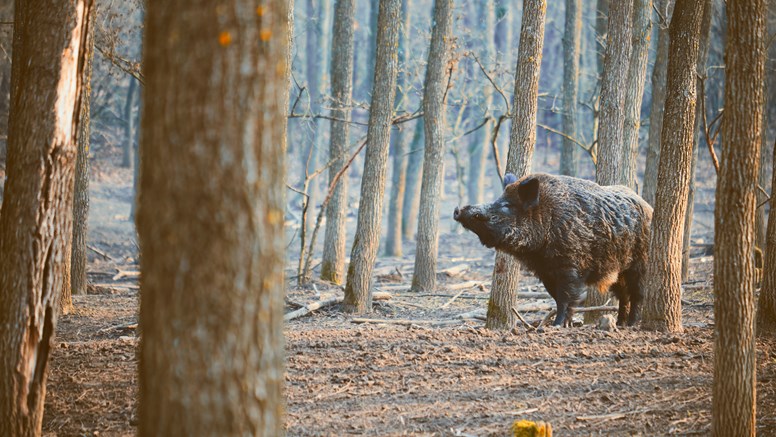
412,188
481,146
333,263
656,106
733,403
572,36
210,218
6,41
522,139
358,293
703,56
36,220
393,241
612,111
637,72
663,282
424,276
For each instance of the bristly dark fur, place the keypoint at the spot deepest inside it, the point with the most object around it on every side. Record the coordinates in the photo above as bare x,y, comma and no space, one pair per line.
573,234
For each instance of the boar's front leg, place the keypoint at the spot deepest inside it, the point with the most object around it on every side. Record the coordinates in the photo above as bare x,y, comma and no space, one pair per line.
568,290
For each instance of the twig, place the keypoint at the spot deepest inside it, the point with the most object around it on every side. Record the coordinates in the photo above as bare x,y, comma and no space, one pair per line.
706,127
493,139
528,326
446,304
492,82
104,255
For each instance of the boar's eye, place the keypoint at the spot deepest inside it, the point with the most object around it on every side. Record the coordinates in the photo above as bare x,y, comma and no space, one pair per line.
480,216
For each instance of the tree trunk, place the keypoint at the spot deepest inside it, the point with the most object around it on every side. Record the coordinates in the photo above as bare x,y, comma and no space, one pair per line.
656,107
572,36
412,188
481,146
703,56
210,219
333,264
663,282
522,139
129,125
81,187
393,241
733,404
615,73
424,276
36,221
612,111
358,293
766,306
637,71
6,40
601,30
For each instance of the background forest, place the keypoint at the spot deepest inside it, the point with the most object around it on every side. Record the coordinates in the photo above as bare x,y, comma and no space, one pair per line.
405,350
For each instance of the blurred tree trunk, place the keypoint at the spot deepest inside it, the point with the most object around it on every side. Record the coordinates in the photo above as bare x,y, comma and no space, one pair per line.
769,113
6,42
601,30
572,36
480,147
393,241
656,107
522,139
77,260
703,56
733,404
637,72
663,282
129,124
612,111
358,293
333,264
435,115
412,185
212,284
36,222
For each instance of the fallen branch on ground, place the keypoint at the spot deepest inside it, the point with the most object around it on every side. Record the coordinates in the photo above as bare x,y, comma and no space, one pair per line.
126,274
407,321
104,255
307,309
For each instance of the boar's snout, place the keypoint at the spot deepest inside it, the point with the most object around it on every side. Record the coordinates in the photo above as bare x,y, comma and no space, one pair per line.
468,213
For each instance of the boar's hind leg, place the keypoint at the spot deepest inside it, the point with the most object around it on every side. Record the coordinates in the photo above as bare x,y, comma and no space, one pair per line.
621,292
636,293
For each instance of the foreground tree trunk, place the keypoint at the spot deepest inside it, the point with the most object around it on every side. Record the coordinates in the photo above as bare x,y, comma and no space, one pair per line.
210,219
663,281
572,36
36,220
333,263
733,405
637,72
522,139
703,56
393,241
358,293
424,277
612,118
656,107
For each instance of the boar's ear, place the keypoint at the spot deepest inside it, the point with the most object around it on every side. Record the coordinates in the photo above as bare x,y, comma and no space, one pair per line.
509,178
528,190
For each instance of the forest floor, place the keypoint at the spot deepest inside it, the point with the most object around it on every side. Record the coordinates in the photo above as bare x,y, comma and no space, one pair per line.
421,371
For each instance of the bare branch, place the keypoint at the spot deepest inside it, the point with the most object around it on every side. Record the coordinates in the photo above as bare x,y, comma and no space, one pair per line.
492,82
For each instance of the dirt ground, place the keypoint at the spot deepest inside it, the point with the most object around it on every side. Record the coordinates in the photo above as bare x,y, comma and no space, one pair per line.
420,372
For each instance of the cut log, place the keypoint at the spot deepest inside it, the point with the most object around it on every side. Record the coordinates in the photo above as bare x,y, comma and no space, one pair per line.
455,270
126,274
